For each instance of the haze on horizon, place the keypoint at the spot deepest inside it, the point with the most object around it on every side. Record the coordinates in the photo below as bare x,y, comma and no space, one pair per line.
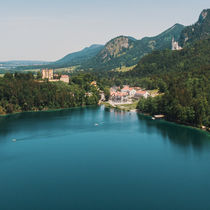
48,30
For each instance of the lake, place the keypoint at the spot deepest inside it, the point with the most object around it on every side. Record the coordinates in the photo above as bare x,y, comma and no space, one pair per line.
99,159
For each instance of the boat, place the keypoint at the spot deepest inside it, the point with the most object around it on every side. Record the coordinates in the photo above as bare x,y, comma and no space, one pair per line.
14,140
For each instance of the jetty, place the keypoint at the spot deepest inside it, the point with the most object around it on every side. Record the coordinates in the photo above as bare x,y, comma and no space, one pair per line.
160,116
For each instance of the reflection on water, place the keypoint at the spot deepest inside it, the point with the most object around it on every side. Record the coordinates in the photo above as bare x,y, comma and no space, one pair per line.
182,136
97,158
52,124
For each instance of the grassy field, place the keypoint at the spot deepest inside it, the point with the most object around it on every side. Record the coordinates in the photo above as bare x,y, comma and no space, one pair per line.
32,70
67,69
124,68
1,75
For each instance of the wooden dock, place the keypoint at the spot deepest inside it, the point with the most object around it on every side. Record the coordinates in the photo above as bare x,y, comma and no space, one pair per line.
160,116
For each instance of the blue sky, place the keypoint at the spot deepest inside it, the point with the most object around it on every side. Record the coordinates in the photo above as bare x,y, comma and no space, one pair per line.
48,30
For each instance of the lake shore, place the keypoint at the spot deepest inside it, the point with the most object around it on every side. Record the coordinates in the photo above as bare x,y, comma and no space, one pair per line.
121,107
46,110
132,108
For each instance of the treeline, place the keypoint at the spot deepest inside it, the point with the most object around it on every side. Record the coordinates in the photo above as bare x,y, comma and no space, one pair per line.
186,100
22,92
184,78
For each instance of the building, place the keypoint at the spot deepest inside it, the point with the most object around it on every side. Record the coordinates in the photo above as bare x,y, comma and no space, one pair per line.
47,74
125,89
119,97
64,78
141,93
93,83
132,91
175,45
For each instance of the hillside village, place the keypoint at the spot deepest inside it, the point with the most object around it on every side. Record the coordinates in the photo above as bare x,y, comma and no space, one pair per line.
127,94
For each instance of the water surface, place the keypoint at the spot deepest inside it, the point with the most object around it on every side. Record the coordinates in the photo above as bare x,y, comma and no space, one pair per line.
100,159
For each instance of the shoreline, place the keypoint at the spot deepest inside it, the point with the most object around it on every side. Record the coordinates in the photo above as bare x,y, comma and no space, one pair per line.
47,110
108,105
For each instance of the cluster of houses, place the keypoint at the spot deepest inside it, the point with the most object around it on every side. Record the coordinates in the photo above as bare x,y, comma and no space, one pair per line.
50,76
127,93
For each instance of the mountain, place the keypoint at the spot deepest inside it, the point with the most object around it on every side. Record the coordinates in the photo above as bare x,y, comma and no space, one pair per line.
116,48
195,56
120,51
199,30
127,51
184,78
77,58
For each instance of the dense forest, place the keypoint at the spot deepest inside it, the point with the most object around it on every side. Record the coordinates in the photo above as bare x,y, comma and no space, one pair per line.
22,92
186,98
184,78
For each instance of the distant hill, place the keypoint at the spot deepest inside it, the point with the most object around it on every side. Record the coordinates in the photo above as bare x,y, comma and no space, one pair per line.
120,51
77,58
16,63
72,59
199,30
127,51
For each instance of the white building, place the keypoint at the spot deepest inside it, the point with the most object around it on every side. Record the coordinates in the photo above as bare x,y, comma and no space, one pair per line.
64,78
175,45
141,93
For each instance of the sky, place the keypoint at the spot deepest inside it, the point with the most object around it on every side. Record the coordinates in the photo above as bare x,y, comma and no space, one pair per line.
49,29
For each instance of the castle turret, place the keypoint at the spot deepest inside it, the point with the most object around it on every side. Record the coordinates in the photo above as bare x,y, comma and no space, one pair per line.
175,45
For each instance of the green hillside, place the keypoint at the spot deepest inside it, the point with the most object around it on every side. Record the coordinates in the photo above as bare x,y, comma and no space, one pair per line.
199,30
126,51
184,78
165,61
77,58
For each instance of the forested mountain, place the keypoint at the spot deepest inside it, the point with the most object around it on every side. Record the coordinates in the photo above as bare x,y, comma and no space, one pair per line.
184,78
72,59
120,51
77,58
127,51
165,61
200,30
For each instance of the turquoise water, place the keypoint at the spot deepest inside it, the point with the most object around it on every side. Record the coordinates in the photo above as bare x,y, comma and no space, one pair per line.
99,159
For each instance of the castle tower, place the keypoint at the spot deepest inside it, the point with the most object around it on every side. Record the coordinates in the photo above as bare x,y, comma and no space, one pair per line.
175,45
47,74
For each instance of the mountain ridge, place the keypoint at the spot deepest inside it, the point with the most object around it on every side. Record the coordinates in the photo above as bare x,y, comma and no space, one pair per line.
127,51
199,30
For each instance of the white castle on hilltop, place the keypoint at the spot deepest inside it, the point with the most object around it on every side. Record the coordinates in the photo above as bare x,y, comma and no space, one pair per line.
175,45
